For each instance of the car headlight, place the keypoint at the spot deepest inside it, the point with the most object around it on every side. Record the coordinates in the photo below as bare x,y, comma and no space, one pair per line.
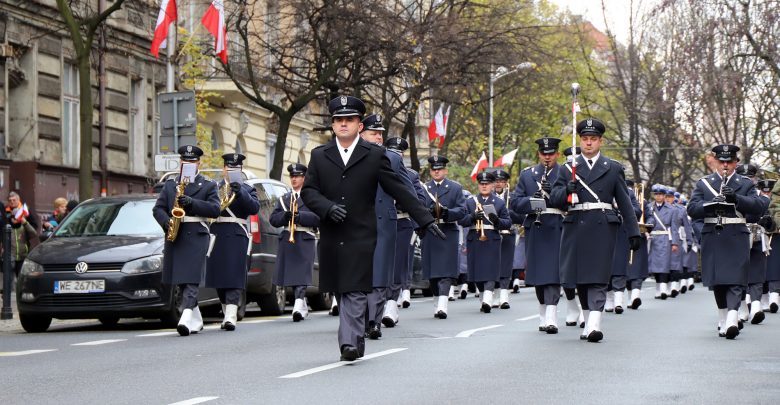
149,264
31,269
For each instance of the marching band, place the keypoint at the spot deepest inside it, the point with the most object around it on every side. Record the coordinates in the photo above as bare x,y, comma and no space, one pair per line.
578,230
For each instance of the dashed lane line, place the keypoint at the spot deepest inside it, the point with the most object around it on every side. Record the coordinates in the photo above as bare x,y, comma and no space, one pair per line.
468,333
25,352
331,366
98,342
193,401
528,318
158,334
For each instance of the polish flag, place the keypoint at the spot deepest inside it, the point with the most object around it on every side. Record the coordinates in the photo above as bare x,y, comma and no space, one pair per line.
436,127
214,21
506,160
444,132
20,212
164,19
482,163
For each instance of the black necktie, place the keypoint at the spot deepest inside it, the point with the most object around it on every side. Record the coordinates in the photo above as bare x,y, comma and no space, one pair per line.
346,150
590,163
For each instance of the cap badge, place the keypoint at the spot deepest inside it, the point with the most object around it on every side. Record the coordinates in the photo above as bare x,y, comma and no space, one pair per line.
189,148
546,141
725,148
235,157
435,158
343,100
589,122
378,118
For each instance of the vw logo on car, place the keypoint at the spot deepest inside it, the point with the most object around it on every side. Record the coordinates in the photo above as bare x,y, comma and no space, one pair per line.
81,267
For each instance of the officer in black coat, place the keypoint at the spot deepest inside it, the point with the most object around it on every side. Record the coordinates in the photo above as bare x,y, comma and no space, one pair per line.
590,226
227,264
340,187
184,259
295,259
501,189
725,239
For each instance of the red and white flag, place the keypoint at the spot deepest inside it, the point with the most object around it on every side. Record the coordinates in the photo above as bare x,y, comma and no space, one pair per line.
506,160
166,16
214,21
482,163
436,127
444,132
20,212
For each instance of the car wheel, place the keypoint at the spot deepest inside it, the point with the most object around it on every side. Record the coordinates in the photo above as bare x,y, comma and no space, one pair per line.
109,320
242,307
320,302
35,323
273,303
171,317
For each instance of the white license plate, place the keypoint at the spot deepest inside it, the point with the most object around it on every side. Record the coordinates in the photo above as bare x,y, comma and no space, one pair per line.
79,286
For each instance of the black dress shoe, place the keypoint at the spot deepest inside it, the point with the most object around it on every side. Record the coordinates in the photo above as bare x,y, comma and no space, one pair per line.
505,305
582,325
758,318
571,323
228,326
349,353
595,336
691,287
374,332
675,293
583,337
440,315
463,294
636,303
552,329
297,316
450,298
406,304
542,328
485,308
732,332
664,296
683,289
516,289
740,324
388,322
618,310
773,308
334,311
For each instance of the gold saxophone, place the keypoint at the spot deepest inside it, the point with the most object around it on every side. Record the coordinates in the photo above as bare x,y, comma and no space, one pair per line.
226,196
177,213
294,210
480,224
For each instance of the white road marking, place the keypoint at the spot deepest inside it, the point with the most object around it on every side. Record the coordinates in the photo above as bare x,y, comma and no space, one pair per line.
24,352
194,401
468,333
158,334
528,318
98,342
256,321
342,363
422,300
212,327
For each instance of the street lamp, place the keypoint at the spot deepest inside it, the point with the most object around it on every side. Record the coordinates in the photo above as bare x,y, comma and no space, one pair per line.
499,73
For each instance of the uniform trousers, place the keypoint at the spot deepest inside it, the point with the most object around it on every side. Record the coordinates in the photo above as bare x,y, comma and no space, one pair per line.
441,286
617,283
352,319
393,292
774,286
675,275
548,294
189,296
592,296
299,292
375,300
486,285
504,282
662,277
635,283
571,293
755,290
728,296
229,296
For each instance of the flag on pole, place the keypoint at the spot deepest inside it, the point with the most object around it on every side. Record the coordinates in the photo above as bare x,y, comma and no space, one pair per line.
481,165
214,21
506,160
166,16
20,212
436,127
443,133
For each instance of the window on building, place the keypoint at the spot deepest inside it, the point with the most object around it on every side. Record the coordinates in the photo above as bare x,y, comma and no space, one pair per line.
137,130
70,115
270,151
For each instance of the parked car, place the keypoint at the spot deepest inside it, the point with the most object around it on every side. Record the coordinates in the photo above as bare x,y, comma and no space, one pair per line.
104,261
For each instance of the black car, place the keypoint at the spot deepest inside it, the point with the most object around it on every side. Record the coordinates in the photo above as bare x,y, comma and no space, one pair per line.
105,262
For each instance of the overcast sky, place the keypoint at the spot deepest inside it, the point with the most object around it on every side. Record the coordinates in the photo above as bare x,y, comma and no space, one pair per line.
618,12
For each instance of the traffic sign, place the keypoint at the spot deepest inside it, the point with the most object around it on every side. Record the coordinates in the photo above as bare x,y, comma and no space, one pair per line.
166,163
178,120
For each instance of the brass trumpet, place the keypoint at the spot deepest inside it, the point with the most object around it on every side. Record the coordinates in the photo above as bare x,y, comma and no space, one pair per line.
226,196
294,210
177,212
480,224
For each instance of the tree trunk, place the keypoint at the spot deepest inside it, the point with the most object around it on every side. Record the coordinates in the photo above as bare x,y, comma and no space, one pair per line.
281,144
86,190
408,133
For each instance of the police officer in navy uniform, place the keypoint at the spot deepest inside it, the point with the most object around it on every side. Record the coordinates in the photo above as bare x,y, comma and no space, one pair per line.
590,226
227,264
399,292
682,231
619,279
440,257
637,270
501,190
725,239
543,229
340,187
295,260
184,259
772,286
758,225
483,238
664,240
386,217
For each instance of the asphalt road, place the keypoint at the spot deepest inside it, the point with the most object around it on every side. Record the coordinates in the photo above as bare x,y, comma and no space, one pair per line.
665,352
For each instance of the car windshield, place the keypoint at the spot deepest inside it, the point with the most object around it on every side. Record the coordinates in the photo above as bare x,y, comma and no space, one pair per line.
111,218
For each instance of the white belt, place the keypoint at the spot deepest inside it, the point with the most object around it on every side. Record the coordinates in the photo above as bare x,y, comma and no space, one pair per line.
590,206
725,221
193,219
551,211
300,229
441,221
660,233
505,232
241,221
402,215
486,227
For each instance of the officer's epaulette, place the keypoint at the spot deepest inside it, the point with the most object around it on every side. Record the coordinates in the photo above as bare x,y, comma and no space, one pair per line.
320,146
527,168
